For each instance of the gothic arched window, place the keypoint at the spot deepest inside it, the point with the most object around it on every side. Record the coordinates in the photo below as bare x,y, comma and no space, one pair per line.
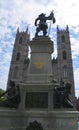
18,56
65,73
64,55
20,40
63,38
15,72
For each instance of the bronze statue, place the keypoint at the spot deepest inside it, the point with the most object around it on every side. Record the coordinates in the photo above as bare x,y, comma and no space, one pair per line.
34,126
42,23
13,96
61,96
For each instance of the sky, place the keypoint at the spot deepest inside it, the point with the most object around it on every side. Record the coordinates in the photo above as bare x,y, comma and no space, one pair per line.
22,13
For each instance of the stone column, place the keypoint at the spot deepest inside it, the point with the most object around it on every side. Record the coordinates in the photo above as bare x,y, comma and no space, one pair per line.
23,96
50,99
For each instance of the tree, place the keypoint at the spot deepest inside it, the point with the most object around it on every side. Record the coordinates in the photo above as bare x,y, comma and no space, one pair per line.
1,91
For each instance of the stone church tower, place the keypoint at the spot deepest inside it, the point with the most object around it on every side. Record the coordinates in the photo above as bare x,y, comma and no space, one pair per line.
63,68
19,56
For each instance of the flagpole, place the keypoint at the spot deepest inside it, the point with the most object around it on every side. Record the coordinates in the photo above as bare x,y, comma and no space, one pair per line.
49,28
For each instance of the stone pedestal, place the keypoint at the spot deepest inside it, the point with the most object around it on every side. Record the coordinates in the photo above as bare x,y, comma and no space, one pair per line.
39,76
11,119
38,81
40,66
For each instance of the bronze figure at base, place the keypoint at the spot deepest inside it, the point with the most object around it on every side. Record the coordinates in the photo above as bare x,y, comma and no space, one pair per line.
12,96
61,97
34,126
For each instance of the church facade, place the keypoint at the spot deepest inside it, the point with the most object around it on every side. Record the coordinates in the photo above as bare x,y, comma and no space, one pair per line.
62,66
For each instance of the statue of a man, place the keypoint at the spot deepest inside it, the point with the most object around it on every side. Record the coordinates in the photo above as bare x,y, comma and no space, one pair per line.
42,25
12,96
61,96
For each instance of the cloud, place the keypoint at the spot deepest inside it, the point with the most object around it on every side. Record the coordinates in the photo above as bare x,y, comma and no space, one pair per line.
76,79
77,93
74,46
67,12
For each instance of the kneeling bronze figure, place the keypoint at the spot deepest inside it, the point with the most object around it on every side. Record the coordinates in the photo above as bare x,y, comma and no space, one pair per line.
61,97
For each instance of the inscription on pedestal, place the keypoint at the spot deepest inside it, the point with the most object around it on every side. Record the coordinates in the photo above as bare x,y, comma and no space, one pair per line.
36,100
38,64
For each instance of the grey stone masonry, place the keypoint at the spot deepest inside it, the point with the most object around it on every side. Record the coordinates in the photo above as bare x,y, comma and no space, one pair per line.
11,119
40,66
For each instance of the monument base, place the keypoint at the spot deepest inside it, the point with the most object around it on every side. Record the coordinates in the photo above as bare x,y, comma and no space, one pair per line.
38,81
11,119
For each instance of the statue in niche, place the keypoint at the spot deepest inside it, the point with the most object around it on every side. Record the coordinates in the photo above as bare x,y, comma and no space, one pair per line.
61,96
12,96
42,25
34,126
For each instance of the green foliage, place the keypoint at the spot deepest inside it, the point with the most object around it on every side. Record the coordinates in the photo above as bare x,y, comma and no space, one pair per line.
1,91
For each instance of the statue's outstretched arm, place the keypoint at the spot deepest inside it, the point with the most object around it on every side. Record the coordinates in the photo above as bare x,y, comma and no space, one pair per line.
51,17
